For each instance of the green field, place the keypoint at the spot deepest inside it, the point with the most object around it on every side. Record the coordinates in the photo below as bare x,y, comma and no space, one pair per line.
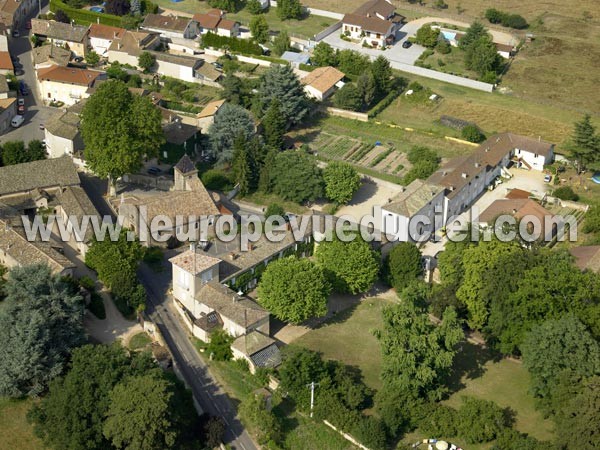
348,338
15,432
305,28
139,341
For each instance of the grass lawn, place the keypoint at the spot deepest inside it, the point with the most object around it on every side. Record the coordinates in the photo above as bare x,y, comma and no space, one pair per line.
260,198
139,341
305,28
453,63
348,338
15,432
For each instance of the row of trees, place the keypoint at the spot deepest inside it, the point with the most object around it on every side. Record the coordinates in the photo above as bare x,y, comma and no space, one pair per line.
15,152
480,51
505,19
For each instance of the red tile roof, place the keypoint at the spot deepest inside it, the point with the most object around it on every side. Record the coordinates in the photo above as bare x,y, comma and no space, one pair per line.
5,61
69,75
107,32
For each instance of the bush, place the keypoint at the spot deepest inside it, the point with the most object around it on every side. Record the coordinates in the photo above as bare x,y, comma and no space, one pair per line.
371,432
566,193
234,44
490,77
415,86
472,134
219,347
217,180
480,420
85,16
443,47
441,421
506,19
493,15
87,283
274,210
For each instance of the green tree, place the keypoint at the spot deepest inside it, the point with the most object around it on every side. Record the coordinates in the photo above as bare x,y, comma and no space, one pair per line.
323,55
92,58
289,9
403,265
427,36
473,34
142,414
146,61
259,29
367,89
352,62
351,267
382,75
274,210
480,420
294,290
267,171
349,97
280,82
266,425
233,90
417,354
472,133
71,416
41,322
241,165
254,7
274,125
219,347
577,423
565,193
585,143
281,43
231,121
296,177
118,130
482,56
14,152
231,6
558,345
341,182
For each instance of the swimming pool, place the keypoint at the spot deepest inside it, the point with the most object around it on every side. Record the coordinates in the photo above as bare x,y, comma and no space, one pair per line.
596,178
97,9
449,35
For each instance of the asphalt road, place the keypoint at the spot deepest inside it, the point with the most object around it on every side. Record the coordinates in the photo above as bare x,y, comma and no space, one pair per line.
206,391
35,113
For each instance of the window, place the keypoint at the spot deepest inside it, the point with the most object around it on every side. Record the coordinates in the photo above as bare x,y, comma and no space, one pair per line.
536,155
378,36
184,279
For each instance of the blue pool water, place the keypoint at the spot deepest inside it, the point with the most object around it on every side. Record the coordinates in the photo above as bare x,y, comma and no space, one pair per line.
449,35
97,9
596,178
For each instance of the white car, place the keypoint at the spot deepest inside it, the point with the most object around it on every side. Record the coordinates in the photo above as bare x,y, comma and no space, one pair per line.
17,121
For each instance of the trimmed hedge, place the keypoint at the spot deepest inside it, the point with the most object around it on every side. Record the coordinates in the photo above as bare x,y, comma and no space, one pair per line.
84,16
232,43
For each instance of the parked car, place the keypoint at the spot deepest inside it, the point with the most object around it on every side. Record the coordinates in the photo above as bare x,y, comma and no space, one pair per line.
42,126
28,25
19,72
154,171
23,88
406,44
21,109
548,178
17,121
78,59
16,33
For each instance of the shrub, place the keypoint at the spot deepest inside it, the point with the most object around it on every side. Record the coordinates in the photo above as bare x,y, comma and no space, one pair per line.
472,133
274,210
506,19
493,15
480,420
234,44
415,86
216,180
96,306
490,77
443,47
87,283
566,193
219,347
441,421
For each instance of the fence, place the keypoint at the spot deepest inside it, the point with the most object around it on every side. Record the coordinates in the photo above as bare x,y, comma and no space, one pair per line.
327,31
363,117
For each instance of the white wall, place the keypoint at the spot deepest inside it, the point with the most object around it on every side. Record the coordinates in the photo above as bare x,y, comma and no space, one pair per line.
57,146
100,46
67,93
536,161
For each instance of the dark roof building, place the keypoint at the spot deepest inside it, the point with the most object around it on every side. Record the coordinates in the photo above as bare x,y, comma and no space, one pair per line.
43,174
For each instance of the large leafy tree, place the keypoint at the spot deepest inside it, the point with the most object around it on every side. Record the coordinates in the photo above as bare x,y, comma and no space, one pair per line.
41,322
349,97
323,55
577,423
281,83
341,182
417,354
557,345
289,9
146,61
143,414
294,290
296,177
72,415
118,130
585,143
427,36
15,152
231,121
403,265
351,266
259,29
480,420
481,56
473,33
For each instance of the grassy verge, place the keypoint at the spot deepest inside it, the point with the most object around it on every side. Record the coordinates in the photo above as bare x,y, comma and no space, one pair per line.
139,341
96,306
15,431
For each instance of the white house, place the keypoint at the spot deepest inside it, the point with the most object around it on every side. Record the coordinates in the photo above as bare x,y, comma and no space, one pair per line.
102,36
374,23
186,68
72,37
322,82
532,153
128,49
62,136
171,26
66,84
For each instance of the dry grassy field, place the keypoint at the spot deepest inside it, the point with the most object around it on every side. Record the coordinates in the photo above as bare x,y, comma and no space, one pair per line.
560,67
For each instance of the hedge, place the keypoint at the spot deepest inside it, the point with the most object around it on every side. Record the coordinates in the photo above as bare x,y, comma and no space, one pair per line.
84,16
399,84
232,43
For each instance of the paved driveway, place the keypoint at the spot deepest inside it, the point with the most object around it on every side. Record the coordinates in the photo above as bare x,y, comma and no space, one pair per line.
36,113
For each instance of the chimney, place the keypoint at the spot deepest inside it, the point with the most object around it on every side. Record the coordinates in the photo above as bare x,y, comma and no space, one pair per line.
477,164
487,149
514,211
464,175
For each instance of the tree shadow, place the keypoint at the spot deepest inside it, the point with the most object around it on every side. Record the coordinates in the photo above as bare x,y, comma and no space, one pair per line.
469,364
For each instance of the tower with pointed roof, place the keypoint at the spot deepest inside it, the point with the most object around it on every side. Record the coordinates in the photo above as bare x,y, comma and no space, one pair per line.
185,171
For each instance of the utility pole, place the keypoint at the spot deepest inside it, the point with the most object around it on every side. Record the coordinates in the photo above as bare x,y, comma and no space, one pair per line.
312,396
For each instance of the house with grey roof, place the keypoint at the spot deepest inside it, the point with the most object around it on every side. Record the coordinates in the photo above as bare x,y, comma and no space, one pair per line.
49,174
50,55
67,35
171,26
62,135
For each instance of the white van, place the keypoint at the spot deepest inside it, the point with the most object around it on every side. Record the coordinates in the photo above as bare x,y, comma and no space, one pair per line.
17,121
